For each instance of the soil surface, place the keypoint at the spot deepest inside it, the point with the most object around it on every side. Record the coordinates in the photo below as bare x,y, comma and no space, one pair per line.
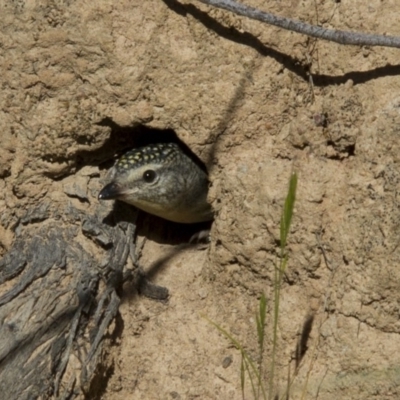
84,81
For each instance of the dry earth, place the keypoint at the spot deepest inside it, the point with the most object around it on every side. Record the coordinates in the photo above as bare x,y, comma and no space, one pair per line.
80,79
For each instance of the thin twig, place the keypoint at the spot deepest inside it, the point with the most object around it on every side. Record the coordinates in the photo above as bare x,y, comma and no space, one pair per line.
342,37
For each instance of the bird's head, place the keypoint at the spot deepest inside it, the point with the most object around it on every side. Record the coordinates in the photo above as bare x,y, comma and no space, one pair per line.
159,179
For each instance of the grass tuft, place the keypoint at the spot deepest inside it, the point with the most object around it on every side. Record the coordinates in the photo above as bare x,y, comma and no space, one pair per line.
254,370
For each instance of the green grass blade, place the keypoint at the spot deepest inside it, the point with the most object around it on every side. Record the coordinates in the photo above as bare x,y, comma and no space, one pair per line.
248,362
286,218
253,387
242,376
260,319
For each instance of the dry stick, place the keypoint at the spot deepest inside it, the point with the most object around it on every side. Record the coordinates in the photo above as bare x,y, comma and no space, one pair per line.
342,37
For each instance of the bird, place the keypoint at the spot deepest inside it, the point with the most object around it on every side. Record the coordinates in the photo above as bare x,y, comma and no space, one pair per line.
161,180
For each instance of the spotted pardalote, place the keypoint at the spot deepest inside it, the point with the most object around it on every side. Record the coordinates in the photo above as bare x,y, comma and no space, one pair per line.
161,180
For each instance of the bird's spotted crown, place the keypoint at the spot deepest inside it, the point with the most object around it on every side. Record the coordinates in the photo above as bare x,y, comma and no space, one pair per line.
157,153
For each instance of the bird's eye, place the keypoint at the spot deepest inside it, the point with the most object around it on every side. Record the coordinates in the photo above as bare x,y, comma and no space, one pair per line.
149,176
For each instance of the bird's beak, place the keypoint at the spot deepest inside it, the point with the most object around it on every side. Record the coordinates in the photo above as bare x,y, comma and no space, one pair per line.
110,192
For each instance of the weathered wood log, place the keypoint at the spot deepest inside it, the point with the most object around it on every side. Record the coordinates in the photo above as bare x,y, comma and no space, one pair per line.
57,300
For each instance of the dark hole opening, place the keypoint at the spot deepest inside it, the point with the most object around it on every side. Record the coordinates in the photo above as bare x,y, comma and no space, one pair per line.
122,140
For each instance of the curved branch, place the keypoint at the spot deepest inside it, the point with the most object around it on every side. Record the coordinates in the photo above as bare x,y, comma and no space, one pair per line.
342,37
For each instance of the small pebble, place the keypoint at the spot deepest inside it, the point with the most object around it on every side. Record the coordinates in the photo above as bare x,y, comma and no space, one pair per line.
227,362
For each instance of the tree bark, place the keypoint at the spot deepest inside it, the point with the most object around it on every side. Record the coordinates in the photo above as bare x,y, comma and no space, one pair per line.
57,301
